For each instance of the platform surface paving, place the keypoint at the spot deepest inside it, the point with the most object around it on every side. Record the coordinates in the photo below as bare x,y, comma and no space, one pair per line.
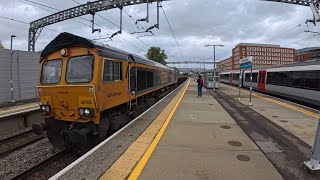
195,146
300,121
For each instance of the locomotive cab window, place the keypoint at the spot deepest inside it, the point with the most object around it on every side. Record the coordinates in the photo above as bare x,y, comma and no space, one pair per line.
112,71
51,72
80,69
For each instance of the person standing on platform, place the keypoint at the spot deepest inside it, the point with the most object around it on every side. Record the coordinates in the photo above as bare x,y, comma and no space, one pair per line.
200,85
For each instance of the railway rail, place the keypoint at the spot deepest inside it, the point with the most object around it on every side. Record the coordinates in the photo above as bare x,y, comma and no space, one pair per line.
17,142
286,151
53,164
48,167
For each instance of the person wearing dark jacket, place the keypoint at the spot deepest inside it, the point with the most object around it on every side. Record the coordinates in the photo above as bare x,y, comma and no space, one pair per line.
200,85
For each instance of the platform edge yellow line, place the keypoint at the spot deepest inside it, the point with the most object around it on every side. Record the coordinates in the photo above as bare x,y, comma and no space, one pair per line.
282,104
143,161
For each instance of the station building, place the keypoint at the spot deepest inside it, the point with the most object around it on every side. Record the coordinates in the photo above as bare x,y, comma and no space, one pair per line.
263,55
306,54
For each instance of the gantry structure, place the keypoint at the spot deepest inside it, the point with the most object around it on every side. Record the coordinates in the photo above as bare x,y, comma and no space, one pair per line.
313,4
84,9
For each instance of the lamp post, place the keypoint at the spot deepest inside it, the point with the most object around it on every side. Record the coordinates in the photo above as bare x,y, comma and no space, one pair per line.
214,61
11,83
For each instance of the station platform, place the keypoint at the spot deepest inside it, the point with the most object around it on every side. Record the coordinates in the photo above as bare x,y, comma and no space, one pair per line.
299,120
18,109
198,140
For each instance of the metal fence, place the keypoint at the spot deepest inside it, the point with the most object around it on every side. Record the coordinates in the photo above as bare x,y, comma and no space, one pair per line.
25,67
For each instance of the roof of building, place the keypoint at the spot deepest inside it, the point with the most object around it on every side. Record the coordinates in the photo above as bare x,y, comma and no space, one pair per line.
225,59
308,49
256,44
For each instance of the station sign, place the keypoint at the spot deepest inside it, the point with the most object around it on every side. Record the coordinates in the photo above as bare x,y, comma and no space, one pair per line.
246,63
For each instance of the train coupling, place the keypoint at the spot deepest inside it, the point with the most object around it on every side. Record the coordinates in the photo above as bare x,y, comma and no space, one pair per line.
39,129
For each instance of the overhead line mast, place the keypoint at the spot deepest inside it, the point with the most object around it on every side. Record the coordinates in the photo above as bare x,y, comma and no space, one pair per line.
313,4
84,9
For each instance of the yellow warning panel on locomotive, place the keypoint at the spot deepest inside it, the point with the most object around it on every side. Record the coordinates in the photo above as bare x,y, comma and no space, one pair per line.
86,101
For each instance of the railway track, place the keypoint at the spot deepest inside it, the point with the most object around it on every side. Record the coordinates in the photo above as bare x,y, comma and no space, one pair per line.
17,142
48,167
284,150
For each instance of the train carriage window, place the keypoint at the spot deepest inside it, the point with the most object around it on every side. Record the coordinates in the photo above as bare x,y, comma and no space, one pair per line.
141,79
108,70
224,76
282,78
235,77
271,78
149,79
112,71
117,71
296,79
254,77
80,69
247,77
51,72
312,80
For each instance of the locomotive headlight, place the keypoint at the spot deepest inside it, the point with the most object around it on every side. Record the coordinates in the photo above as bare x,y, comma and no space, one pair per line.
87,112
64,52
45,108
81,112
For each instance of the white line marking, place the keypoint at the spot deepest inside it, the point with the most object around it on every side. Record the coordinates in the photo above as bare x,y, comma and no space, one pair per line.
19,112
66,169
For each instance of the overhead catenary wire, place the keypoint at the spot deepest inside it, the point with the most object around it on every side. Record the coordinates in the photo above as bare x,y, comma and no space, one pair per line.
138,23
22,22
131,17
303,39
172,31
42,7
120,39
281,34
47,8
116,25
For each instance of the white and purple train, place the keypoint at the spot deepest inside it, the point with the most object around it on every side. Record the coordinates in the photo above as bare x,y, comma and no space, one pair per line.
299,81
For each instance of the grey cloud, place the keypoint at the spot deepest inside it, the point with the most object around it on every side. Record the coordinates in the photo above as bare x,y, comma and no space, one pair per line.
195,23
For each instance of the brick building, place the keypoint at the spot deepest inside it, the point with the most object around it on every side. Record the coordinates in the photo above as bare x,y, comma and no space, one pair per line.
225,65
305,54
263,55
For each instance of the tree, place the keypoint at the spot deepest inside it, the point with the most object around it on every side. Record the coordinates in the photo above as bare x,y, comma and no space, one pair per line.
156,54
1,46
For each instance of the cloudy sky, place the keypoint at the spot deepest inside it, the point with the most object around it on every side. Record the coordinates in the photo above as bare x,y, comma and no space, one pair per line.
194,22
